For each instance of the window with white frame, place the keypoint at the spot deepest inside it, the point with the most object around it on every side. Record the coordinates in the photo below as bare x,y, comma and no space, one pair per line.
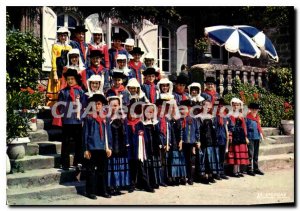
66,20
164,50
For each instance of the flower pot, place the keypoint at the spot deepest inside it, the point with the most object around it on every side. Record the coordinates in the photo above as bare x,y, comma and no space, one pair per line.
33,121
288,127
17,147
8,167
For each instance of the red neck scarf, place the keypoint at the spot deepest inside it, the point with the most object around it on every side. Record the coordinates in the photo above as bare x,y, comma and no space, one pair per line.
152,91
132,123
82,47
136,69
72,92
256,119
233,120
221,122
117,90
163,125
96,70
212,94
100,122
183,96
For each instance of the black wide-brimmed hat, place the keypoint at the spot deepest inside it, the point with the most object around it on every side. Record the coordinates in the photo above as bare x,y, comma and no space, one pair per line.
117,36
118,74
210,80
95,53
188,103
71,72
136,50
161,101
98,97
79,29
254,106
150,71
182,79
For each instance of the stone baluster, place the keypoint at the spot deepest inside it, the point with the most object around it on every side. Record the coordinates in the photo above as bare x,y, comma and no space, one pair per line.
229,79
252,78
259,80
245,77
237,74
221,86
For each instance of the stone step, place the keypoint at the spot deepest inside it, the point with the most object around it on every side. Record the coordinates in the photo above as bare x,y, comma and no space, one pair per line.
278,139
280,161
270,131
32,149
38,162
275,149
39,177
44,124
49,147
46,192
46,135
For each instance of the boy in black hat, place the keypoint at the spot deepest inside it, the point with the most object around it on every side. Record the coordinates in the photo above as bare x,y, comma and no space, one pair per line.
116,49
73,99
149,87
96,68
136,66
79,43
180,85
254,133
97,148
117,88
209,92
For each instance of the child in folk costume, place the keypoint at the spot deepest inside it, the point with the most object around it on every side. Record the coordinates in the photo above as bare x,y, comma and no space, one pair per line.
207,154
98,43
118,166
171,132
134,93
96,69
95,85
255,135
117,88
135,132
115,50
238,151
78,42
221,122
122,66
153,145
97,148
209,92
129,44
149,62
179,92
73,62
58,62
136,66
149,87
195,93
69,117
165,89
190,136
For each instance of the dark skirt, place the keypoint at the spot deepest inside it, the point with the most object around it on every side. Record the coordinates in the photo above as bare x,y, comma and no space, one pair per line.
153,169
238,154
176,164
118,172
207,161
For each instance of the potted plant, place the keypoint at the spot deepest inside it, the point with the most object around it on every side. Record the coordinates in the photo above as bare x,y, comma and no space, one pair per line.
287,119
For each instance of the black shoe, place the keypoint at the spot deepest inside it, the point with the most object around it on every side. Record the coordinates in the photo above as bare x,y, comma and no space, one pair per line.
150,190
211,180
156,186
91,196
106,195
204,181
257,171
118,192
190,182
163,184
131,189
176,182
240,174
217,177
236,175
183,181
251,173
223,176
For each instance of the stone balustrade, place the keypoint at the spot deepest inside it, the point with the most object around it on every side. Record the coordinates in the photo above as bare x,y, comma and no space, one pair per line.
224,75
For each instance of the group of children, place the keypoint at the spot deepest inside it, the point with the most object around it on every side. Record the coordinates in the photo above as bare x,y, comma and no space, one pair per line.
133,128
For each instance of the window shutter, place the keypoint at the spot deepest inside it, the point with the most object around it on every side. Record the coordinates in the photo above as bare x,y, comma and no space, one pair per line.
181,46
91,22
49,36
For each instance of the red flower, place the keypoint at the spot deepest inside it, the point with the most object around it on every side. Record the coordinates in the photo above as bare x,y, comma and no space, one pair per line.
242,93
23,90
287,105
31,91
41,88
256,95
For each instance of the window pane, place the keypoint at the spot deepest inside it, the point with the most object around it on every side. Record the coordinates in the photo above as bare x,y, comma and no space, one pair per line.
60,21
165,65
215,51
165,54
158,55
165,42
71,22
165,32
